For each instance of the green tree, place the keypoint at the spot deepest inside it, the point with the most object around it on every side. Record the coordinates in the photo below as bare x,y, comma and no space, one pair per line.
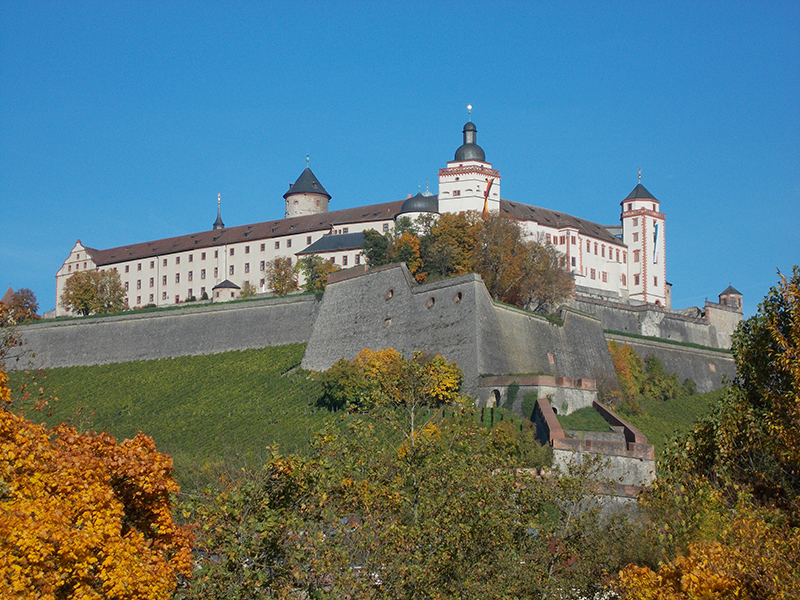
377,248
315,270
281,276
93,292
248,290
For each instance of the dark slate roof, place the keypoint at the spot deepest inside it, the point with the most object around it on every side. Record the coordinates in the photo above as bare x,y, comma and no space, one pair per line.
244,233
307,183
218,224
640,193
335,243
421,203
731,290
552,218
226,284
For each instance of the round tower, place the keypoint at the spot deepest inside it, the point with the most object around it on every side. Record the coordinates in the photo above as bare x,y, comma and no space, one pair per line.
306,196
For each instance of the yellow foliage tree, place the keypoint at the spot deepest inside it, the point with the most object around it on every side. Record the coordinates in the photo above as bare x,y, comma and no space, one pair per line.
83,517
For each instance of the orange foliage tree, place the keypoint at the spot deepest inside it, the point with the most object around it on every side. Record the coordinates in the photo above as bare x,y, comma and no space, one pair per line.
83,517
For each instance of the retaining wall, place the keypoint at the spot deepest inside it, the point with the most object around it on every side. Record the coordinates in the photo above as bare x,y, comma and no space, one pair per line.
141,336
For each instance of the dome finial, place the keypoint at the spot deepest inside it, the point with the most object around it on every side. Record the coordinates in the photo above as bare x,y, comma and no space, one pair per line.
308,159
469,113
640,174
218,224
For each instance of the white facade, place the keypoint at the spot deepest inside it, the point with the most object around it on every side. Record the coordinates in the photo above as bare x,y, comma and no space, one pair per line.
623,262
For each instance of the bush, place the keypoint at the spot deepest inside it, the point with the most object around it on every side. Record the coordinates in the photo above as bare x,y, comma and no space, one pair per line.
529,405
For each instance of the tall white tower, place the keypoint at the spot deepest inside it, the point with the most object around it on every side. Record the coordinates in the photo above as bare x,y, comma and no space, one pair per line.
643,232
464,182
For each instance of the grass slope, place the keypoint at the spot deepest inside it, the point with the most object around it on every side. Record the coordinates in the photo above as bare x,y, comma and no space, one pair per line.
208,412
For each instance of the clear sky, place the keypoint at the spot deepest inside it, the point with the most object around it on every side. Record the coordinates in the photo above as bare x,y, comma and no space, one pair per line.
120,122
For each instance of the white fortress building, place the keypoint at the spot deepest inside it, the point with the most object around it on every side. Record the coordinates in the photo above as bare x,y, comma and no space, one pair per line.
623,263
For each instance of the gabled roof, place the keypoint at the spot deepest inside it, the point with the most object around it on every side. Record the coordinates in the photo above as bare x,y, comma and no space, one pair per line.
307,183
731,290
335,243
227,284
244,233
640,193
552,218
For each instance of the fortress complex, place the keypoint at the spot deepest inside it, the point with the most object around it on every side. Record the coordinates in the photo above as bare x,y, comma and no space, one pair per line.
621,264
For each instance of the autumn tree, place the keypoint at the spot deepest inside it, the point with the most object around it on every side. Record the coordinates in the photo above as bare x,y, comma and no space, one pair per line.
23,306
448,247
248,290
82,516
281,276
315,271
93,292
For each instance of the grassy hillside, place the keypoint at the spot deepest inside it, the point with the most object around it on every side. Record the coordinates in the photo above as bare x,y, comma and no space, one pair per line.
208,412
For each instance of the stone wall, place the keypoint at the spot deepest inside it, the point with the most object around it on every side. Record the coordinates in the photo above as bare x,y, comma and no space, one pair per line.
455,318
566,395
197,330
706,367
713,330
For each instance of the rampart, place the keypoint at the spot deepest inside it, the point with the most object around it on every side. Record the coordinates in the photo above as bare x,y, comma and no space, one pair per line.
712,328
164,334
707,368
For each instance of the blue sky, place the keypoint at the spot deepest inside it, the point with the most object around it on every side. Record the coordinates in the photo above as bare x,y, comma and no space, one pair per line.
120,122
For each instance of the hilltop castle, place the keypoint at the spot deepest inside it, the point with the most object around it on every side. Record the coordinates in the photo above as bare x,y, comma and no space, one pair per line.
620,263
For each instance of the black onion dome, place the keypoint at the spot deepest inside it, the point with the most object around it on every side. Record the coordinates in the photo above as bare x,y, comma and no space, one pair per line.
421,203
307,183
470,149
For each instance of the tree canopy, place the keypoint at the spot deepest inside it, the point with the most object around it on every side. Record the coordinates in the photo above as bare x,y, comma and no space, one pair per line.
93,292
281,276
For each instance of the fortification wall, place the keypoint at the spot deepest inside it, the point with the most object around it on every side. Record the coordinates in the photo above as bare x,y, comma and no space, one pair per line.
652,321
141,336
457,319
706,367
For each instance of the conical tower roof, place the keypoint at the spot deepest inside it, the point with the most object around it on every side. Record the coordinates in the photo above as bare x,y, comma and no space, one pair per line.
307,183
640,193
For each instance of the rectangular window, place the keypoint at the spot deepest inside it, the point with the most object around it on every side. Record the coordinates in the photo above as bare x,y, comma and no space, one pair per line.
202,273
177,260
163,295
127,268
231,270
624,280
246,267
344,261
573,240
139,267
152,264
655,281
263,265
603,250
635,256
624,258
617,255
216,253
592,274
191,258
562,241
126,286
138,284
308,240
636,279
191,274
385,227
456,192
152,281
277,245
152,298
573,261
216,272
289,243
263,247
232,251
604,277
202,291
164,280
165,262
177,299
635,221
345,230
177,277
358,259
262,283
202,256
138,300
247,249
547,238
635,237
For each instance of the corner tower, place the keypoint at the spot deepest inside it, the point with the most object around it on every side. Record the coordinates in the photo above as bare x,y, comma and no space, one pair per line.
469,182
643,232
306,196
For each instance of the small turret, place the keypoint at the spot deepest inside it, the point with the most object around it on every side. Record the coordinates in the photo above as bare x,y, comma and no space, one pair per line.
218,224
306,196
